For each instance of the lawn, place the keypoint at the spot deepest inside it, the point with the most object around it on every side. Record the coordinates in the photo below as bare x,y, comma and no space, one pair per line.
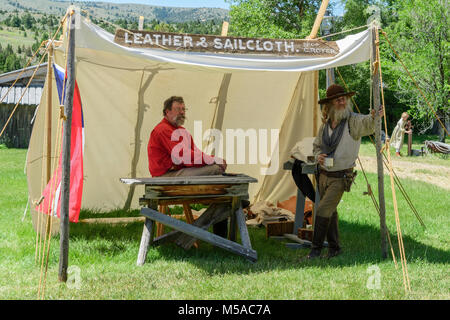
104,258
418,141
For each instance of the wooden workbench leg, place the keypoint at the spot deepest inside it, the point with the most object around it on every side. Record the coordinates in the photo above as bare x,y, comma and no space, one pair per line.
243,231
146,240
147,236
316,205
189,218
299,212
159,227
235,204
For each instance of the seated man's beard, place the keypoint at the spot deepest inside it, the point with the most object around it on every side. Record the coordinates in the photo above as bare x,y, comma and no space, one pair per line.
339,115
179,120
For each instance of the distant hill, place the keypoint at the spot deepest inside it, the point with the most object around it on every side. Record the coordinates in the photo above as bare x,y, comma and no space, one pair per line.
114,11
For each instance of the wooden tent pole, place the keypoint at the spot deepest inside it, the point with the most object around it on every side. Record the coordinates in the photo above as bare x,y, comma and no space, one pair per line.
312,35
67,127
377,103
319,18
225,25
49,110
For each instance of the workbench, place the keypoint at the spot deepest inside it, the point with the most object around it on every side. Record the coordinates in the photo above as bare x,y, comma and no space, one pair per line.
215,191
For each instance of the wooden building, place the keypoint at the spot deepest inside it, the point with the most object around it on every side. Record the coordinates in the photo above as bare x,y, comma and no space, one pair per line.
18,131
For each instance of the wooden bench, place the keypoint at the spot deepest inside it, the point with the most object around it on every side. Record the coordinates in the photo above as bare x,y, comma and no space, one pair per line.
211,190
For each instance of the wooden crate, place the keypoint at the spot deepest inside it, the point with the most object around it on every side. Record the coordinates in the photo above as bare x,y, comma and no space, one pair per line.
278,228
305,234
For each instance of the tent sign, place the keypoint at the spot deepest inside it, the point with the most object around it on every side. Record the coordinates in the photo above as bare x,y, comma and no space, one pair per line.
219,44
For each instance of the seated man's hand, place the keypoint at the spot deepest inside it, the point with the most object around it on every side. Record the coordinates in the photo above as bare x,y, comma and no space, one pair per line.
221,163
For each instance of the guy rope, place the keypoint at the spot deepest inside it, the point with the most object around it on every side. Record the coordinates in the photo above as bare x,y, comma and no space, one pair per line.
406,281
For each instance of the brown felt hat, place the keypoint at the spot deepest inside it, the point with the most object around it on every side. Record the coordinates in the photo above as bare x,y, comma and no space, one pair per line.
335,91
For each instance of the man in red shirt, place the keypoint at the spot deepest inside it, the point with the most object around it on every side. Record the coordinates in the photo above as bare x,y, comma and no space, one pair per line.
171,149
172,152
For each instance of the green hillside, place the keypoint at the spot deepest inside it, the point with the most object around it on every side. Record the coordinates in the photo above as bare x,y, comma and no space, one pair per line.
113,11
15,37
24,24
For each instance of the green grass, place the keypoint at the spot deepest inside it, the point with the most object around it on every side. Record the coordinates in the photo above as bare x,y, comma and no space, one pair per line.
368,149
106,256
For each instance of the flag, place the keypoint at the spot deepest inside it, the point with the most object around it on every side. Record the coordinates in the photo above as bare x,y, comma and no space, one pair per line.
52,192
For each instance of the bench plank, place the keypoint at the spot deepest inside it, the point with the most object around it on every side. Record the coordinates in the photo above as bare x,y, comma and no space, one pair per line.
190,180
201,234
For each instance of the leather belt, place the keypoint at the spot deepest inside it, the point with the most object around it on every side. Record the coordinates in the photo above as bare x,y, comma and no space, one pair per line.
336,174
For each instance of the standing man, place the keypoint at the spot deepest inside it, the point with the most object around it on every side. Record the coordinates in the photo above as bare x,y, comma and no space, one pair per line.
336,149
172,152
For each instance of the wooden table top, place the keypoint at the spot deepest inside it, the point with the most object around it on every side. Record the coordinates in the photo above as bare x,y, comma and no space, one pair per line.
190,180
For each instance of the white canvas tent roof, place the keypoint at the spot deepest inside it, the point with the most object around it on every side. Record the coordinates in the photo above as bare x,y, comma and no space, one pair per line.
123,89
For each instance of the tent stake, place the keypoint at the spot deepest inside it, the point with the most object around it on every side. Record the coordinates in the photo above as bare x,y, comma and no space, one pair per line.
377,103
65,187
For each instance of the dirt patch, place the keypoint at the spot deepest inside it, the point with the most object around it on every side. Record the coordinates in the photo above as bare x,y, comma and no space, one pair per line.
434,174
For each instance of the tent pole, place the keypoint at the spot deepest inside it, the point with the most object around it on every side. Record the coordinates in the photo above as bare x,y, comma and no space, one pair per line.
225,25
49,129
67,126
319,18
377,103
49,110
312,35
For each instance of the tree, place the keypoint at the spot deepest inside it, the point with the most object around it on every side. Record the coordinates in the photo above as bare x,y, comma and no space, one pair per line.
15,22
421,38
28,21
360,13
271,18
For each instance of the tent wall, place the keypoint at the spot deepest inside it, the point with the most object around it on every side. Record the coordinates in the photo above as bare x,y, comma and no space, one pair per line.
122,92
121,107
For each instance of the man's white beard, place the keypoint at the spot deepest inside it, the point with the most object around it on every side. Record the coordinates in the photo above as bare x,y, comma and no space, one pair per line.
339,115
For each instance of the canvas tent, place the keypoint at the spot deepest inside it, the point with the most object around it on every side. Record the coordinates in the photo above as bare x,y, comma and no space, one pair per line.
123,89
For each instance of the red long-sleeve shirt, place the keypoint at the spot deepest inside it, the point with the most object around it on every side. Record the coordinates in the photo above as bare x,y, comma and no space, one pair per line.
171,146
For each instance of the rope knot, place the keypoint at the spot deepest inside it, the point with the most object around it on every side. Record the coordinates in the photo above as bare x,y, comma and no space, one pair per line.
61,113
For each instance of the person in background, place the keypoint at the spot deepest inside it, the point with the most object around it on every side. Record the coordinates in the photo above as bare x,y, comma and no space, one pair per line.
398,134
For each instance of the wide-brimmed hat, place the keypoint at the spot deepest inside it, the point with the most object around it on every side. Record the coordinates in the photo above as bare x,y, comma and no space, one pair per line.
335,91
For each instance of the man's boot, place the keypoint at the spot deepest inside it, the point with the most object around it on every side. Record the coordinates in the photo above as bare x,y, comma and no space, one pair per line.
320,232
333,237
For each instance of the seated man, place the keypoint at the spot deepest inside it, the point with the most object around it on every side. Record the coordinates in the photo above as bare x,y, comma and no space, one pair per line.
172,152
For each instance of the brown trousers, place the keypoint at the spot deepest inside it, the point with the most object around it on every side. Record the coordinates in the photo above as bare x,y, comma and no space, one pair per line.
331,191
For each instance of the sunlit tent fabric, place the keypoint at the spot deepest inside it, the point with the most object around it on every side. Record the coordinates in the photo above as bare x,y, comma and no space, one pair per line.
123,90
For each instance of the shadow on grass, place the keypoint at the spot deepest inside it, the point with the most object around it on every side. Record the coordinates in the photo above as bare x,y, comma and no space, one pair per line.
361,245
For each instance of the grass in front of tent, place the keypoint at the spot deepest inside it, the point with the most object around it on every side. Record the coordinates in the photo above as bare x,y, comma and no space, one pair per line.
103,258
